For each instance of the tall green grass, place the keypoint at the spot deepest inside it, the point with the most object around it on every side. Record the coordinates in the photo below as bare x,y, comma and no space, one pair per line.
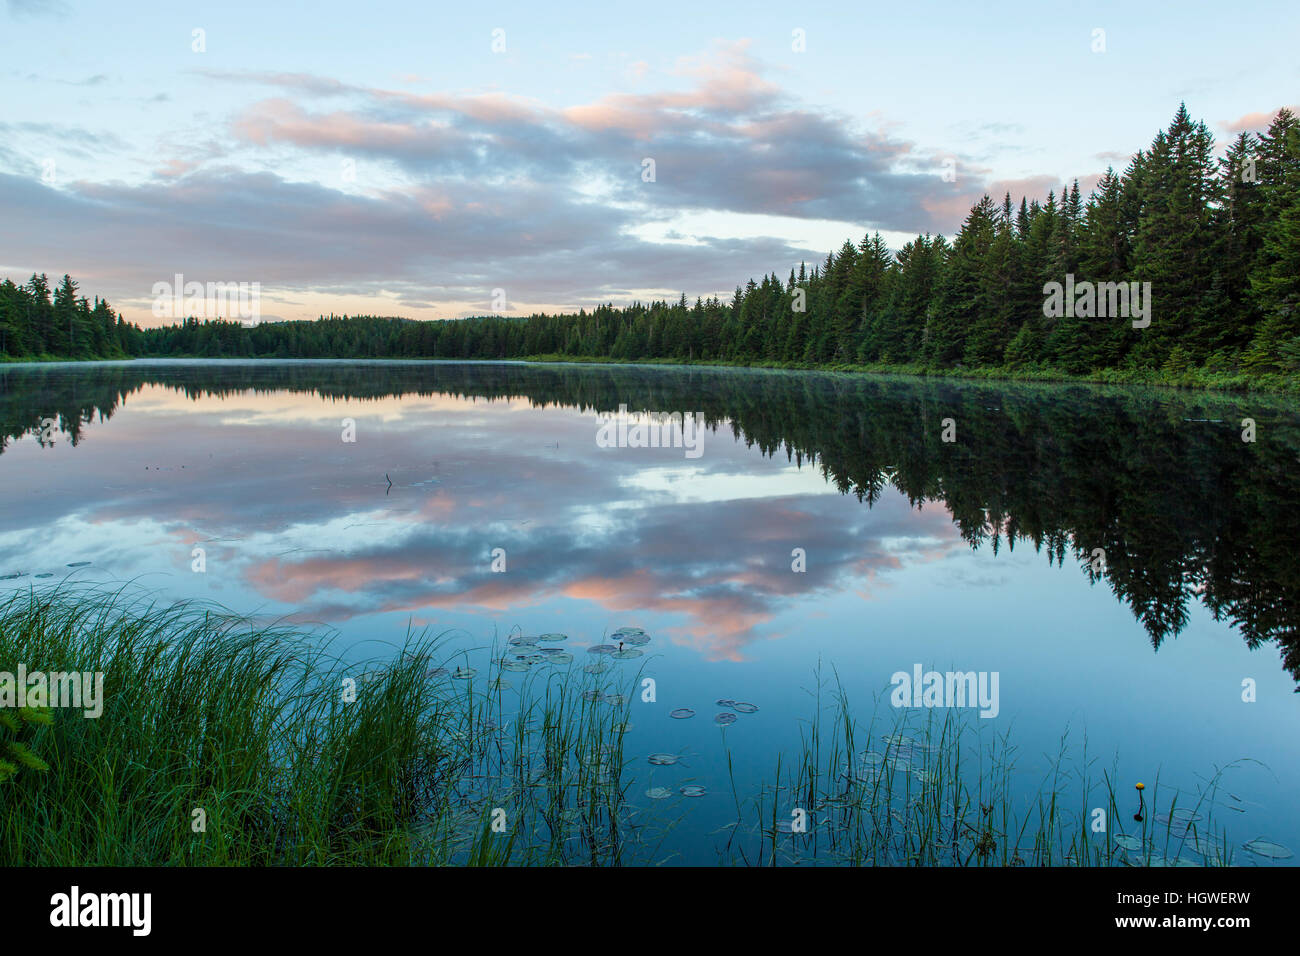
211,718
228,741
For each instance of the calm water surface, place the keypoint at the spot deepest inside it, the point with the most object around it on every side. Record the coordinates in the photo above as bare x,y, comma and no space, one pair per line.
971,555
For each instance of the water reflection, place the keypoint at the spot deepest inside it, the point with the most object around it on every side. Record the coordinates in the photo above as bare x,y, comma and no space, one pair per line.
1180,507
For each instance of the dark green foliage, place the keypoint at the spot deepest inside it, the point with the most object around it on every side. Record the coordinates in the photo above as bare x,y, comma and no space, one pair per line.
1219,241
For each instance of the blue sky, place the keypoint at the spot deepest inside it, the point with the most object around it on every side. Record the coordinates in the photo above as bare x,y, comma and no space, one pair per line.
382,158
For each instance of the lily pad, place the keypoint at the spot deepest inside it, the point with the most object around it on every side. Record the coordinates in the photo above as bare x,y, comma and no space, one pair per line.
1179,819
725,702
663,760
522,640
725,718
681,713
1267,849
615,700
464,673
1126,842
553,637
626,654
693,790
741,707
517,667
600,667
658,793
79,564
603,649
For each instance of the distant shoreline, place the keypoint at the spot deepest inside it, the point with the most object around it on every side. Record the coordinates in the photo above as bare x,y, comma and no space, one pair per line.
1190,380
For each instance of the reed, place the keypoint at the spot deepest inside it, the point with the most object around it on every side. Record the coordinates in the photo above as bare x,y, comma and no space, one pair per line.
229,741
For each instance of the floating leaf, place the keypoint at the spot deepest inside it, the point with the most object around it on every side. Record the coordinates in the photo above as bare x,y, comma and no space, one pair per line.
553,637
79,564
745,708
464,673
1268,849
725,702
603,649
599,667
663,760
627,654
521,640
725,718
517,667
658,793
681,713
1181,819
1126,842
692,790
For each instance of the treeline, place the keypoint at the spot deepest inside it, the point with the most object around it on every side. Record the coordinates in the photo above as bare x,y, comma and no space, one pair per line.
38,323
1217,239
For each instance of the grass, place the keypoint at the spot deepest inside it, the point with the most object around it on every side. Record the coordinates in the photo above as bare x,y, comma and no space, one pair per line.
210,718
225,741
932,791
1226,379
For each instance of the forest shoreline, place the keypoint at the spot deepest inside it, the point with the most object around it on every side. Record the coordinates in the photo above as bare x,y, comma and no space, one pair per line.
1197,379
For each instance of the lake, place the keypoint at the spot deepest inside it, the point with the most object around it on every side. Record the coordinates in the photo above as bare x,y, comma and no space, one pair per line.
1120,566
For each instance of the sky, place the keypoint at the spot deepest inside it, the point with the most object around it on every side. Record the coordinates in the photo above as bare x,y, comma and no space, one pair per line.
436,161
